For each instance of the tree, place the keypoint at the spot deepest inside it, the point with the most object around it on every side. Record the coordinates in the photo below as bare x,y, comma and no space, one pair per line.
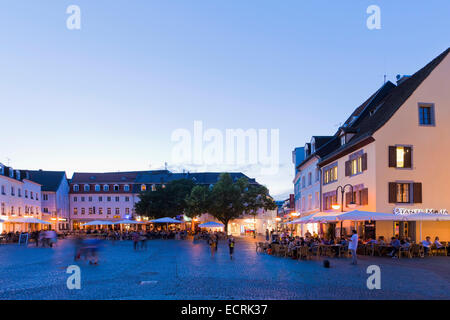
168,201
198,201
257,197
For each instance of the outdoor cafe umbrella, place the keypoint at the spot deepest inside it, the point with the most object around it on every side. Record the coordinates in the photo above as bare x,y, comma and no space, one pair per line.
28,220
165,220
357,215
128,222
211,224
98,223
422,216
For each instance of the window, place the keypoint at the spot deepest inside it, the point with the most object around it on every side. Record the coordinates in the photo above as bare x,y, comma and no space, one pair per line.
3,190
154,186
106,187
100,210
75,211
31,195
100,199
108,199
316,200
87,187
37,196
127,199
330,175
317,174
405,192
117,211
400,157
108,211
303,182
309,201
116,187
144,187
83,210
76,188
91,211
45,197
90,199
402,192
117,199
19,192
97,187
426,114
26,193
127,210
356,164
13,193
45,210
126,188
309,178
82,199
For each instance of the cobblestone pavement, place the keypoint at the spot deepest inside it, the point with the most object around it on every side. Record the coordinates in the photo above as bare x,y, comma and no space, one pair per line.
184,270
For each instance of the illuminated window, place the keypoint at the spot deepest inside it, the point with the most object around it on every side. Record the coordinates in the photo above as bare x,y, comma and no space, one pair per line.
402,192
97,187
143,187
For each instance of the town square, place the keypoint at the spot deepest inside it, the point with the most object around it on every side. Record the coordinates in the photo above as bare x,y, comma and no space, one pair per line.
225,151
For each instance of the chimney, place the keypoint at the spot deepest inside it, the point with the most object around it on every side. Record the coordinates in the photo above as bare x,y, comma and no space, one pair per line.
401,79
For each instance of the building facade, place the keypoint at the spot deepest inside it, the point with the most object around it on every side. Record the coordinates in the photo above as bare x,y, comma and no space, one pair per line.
392,156
54,198
19,197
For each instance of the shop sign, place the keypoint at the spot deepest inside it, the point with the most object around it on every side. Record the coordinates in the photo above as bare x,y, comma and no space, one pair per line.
406,211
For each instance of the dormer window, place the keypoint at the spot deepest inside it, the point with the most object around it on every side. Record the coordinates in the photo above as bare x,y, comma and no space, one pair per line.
153,187
144,187
76,188
343,140
87,187
116,187
11,173
17,174
97,187
126,188
106,187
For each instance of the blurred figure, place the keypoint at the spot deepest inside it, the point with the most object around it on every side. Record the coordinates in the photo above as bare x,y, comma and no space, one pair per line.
91,247
231,243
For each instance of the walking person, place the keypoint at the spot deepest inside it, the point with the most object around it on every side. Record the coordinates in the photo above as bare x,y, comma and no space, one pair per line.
212,245
353,245
231,243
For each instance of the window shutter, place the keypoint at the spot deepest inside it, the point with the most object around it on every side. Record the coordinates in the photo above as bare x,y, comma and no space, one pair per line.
392,192
392,156
417,192
364,162
364,197
348,168
407,157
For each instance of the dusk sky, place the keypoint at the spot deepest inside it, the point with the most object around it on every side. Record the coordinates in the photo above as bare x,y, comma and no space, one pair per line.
109,96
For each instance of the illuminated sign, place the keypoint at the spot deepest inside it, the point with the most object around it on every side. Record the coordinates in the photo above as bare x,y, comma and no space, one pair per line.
405,211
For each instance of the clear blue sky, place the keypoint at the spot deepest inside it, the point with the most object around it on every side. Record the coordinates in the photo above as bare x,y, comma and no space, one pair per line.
108,97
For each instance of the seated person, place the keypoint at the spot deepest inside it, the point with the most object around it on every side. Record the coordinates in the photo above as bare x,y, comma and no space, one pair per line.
437,243
395,243
381,240
427,245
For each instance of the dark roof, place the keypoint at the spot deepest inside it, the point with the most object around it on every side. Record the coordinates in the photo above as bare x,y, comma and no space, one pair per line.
152,177
321,140
50,180
382,106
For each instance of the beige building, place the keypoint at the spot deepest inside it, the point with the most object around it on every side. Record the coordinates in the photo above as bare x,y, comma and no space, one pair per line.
393,155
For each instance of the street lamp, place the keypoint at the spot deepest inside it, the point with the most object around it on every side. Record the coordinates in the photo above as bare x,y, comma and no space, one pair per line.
336,206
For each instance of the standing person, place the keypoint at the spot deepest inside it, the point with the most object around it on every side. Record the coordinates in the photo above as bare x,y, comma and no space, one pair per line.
217,241
135,238
267,235
212,245
353,245
231,246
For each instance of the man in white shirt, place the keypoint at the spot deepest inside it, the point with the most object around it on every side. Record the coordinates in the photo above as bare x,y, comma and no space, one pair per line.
353,245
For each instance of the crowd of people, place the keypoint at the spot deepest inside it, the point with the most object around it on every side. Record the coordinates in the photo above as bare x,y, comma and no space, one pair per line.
42,238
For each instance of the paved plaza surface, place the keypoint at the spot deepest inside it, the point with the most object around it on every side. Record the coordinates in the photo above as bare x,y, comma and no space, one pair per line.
171,269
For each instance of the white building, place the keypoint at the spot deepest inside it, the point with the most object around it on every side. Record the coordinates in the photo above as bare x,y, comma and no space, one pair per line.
19,197
54,198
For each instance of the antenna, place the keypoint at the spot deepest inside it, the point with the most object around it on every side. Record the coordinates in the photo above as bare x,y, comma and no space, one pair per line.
385,78
165,165
8,160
